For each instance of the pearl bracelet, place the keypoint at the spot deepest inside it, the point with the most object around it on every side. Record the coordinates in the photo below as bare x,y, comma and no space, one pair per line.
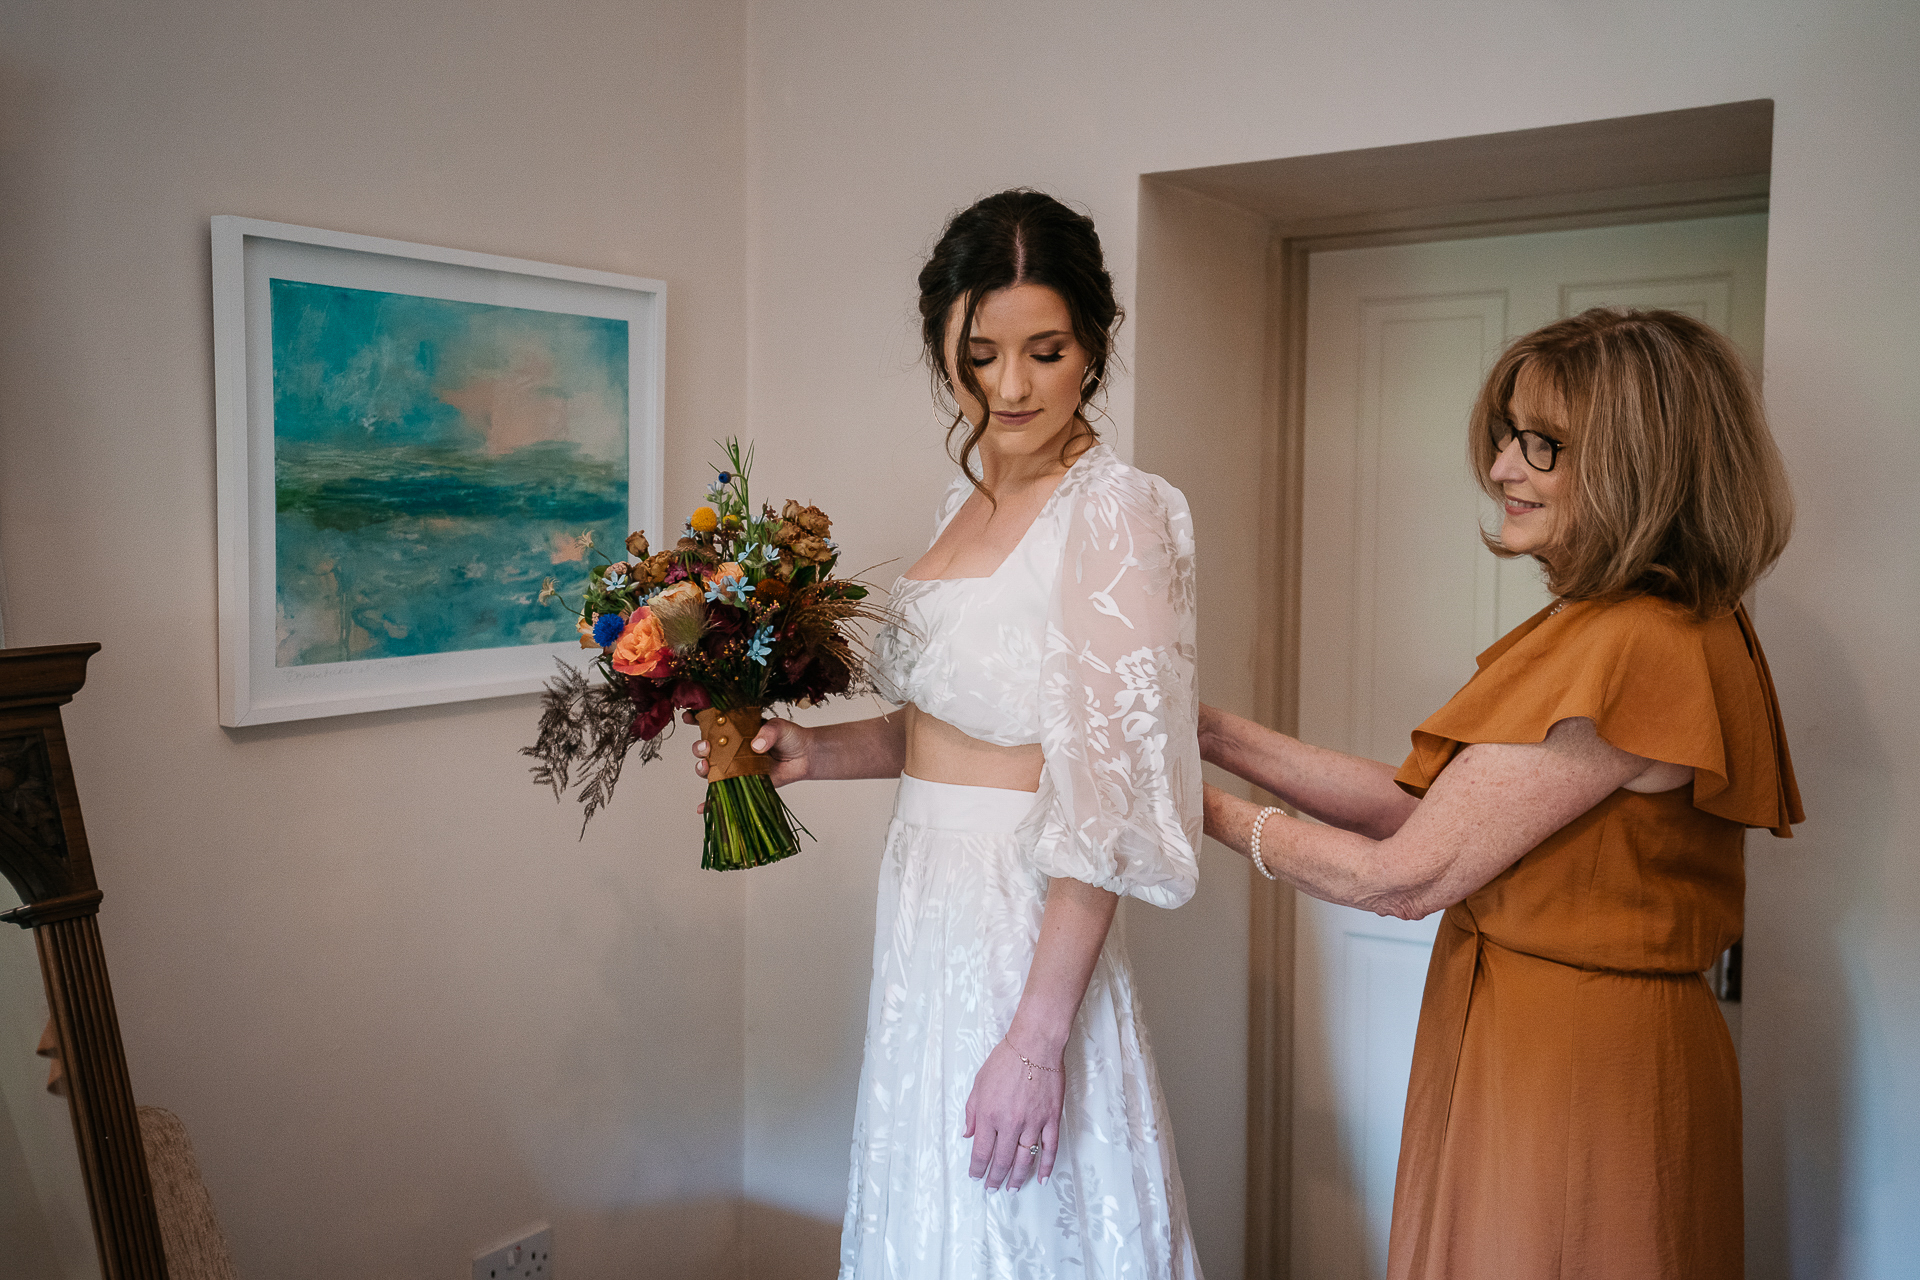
1254,851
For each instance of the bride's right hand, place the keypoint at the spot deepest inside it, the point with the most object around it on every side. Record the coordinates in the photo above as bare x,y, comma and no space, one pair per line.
786,741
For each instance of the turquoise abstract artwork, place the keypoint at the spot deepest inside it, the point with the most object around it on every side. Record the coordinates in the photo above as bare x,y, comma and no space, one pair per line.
434,462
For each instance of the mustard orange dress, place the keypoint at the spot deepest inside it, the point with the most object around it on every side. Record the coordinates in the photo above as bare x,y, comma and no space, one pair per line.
1574,1106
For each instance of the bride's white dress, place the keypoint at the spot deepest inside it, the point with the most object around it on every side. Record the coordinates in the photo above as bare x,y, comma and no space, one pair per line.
1081,641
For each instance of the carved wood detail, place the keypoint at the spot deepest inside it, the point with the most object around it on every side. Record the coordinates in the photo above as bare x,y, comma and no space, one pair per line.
44,854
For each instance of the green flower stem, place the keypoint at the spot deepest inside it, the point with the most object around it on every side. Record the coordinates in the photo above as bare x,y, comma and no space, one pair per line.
748,825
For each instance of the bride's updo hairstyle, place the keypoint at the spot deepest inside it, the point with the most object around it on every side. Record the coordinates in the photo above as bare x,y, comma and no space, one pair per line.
1015,237
1675,488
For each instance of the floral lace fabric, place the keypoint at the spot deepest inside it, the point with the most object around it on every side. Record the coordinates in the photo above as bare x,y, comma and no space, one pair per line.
959,913
1083,641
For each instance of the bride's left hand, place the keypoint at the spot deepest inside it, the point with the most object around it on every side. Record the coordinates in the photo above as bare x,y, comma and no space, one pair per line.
1008,1113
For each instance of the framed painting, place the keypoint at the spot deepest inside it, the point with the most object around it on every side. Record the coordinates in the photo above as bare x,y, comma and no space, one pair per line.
411,442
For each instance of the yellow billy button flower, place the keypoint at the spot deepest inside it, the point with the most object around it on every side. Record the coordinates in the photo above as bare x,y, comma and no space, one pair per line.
704,520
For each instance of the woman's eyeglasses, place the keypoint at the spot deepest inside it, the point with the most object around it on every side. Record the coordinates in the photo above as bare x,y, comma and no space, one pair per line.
1540,452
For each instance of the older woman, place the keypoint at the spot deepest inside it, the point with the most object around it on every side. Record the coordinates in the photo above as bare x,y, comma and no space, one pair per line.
1578,810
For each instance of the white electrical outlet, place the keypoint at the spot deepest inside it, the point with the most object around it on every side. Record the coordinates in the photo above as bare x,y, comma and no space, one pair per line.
528,1258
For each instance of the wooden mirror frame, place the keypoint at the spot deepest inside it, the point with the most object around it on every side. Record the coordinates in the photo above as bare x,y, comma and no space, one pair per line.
43,852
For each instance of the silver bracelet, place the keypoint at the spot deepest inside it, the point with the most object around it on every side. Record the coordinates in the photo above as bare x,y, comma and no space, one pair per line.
1254,852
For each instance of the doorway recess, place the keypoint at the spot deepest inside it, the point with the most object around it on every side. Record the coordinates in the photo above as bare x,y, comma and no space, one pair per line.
1221,341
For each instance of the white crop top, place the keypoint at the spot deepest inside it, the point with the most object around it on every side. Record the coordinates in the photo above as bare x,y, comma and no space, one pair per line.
1082,641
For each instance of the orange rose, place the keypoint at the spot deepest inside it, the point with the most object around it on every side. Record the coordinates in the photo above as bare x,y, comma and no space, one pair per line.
642,649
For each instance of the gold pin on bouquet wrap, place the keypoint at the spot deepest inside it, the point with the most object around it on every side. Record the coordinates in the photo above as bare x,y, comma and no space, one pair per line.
729,739
741,613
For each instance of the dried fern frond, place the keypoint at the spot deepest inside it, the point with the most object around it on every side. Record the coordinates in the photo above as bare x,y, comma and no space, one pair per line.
562,733
585,727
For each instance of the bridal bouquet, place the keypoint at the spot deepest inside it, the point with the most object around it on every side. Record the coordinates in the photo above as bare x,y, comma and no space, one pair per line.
741,613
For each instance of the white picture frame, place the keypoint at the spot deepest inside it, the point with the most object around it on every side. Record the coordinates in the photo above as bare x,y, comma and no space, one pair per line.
271,669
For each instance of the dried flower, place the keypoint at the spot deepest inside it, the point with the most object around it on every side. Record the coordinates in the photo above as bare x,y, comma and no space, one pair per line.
811,548
682,611
811,519
654,570
548,591
637,545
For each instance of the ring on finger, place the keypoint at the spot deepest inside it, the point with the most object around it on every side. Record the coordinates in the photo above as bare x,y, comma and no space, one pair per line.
1034,1150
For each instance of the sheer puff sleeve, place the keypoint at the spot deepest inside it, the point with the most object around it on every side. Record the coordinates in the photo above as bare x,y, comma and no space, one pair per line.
1119,799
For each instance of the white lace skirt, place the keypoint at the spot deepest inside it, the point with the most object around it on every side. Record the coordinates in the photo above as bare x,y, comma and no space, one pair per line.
958,918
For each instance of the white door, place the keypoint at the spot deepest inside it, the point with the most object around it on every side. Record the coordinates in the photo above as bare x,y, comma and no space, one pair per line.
1397,597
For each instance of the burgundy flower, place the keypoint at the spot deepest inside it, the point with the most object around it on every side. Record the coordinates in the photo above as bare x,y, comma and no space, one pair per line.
650,723
691,696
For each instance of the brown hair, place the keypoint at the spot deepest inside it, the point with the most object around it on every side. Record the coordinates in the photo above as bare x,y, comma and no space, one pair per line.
1015,237
1675,488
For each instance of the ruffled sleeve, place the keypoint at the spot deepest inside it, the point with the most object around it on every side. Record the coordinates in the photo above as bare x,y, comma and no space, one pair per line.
1654,681
1119,799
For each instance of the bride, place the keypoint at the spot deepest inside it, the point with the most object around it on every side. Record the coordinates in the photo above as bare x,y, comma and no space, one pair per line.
1009,1121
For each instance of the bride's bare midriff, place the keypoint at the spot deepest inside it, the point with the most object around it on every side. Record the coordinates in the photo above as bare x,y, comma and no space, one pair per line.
938,752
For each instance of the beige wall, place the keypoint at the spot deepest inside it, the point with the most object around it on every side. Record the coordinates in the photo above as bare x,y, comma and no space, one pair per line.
402,1012
363,958
869,121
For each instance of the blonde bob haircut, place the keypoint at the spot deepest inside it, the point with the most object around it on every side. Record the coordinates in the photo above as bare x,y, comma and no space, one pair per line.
1675,488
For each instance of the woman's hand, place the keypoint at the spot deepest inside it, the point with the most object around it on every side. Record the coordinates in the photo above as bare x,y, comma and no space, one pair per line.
1009,1114
786,741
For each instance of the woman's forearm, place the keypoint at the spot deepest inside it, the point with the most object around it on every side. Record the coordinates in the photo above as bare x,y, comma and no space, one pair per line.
1072,931
1349,792
1492,804
875,748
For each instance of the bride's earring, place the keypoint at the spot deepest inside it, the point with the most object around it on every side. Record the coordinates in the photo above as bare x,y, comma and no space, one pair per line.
1089,386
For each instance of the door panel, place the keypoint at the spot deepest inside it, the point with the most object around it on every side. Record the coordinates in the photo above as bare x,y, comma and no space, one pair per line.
1397,597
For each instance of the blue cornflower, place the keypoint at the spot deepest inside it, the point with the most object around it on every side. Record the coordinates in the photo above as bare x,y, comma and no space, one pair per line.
607,628
760,648
725,585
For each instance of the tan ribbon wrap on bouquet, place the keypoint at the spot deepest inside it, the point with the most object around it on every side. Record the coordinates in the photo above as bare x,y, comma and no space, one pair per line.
727,734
